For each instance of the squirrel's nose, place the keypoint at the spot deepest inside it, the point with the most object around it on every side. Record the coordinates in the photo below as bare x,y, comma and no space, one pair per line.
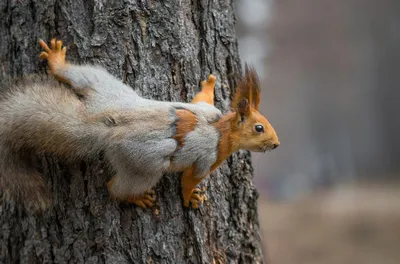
275,145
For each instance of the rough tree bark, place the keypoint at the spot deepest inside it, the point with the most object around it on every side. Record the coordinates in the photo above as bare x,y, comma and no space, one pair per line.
162,49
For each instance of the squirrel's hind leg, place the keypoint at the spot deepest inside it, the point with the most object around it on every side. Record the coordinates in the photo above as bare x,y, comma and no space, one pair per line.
207,91
120,189
190,193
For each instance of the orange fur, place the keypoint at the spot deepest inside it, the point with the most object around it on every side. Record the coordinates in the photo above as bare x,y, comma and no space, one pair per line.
237,130
55,57
186,123
189,190
225,145
207,91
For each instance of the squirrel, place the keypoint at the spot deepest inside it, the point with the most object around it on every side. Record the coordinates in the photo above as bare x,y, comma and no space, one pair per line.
142,139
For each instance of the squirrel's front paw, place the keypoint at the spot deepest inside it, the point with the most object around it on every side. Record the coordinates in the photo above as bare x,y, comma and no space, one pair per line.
195,197
56,55
145,201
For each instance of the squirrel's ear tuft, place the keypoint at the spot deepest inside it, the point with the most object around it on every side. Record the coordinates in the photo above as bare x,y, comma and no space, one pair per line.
248,88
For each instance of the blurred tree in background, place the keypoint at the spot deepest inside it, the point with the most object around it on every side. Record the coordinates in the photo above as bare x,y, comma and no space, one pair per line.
330,89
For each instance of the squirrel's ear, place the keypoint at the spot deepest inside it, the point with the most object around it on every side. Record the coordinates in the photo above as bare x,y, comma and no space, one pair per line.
248,88
252,82
243,109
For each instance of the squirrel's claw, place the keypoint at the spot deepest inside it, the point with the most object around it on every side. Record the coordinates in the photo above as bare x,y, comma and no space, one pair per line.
141,202
55,56
144,201
195,199
209,83
58,44
44,46
44,55
211,78
151,192
53,44
148,197
148,203
195,203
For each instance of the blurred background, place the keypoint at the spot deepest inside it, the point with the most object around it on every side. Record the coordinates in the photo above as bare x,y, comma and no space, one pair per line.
330,72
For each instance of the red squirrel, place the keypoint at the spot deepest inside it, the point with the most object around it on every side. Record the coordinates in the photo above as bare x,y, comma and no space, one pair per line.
142,139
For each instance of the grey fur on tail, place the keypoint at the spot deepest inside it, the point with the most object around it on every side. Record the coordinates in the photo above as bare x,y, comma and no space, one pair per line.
19,180
40,116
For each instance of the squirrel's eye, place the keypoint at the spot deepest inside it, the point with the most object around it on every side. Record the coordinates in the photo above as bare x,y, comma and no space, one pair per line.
259,128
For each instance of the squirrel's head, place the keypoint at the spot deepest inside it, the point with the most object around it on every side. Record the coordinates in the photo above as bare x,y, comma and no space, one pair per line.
251,130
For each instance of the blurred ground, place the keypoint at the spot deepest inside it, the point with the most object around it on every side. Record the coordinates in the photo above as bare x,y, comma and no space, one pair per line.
330,76
348,224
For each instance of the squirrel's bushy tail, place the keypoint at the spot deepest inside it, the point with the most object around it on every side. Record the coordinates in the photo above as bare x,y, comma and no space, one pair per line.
19,180
41,117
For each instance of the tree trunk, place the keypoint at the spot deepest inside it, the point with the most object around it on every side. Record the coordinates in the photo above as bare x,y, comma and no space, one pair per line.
162,49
